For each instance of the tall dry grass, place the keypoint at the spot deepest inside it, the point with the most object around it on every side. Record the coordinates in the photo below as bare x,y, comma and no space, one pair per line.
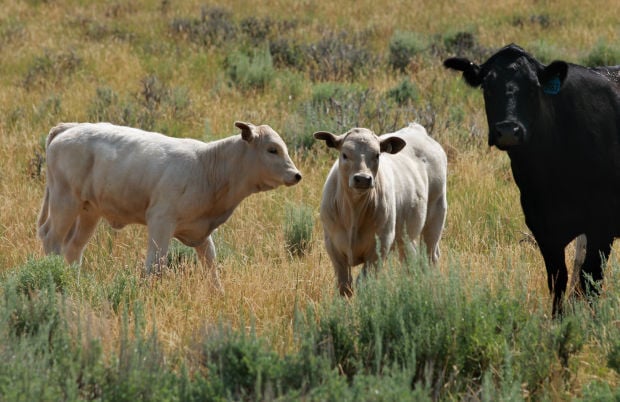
118,44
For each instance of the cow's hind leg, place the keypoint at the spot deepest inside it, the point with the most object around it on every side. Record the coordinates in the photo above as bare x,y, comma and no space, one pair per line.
431,233
597,253
580,244
81,233
206,255
64,209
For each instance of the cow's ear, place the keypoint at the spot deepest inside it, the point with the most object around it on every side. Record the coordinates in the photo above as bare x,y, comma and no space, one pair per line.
331,140
471,71
392,145
248,131
552,77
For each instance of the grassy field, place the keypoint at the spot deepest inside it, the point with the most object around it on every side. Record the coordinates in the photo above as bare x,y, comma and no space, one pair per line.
190,70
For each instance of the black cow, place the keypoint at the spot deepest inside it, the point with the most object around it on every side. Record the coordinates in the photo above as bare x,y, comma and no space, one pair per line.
560,125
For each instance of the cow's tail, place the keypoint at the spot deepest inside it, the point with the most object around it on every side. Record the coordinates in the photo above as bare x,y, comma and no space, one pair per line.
57,130
43,214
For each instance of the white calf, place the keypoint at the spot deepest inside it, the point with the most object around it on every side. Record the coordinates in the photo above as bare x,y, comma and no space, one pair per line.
180,188
389,188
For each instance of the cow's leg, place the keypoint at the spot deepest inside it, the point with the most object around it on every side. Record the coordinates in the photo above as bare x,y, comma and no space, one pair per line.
81,233
160,232
557,274
64,209
580,256
406,248
206,252
431,233
597,253
206,255
342,269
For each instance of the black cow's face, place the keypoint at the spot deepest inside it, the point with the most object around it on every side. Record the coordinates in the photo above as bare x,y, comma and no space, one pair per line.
511,100
514,86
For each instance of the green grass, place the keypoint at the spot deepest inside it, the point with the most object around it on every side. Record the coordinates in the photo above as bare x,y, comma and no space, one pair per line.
475,327
409,331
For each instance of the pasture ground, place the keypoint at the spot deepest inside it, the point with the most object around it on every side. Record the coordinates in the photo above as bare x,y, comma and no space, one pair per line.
191,69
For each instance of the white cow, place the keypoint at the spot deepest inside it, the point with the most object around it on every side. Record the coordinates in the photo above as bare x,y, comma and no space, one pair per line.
387,189
180,188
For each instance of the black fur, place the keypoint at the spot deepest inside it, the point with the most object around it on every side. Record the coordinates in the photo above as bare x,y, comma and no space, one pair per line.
564,149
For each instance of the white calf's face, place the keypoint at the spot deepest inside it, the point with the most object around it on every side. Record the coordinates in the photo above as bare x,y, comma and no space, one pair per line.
360,154
270,162
359,159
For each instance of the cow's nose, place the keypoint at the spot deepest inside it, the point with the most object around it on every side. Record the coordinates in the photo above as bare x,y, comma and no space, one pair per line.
362,180
507,134
298,177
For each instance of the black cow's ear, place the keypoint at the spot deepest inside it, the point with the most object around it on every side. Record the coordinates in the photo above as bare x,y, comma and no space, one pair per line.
331,140
553,76
392,145
471,71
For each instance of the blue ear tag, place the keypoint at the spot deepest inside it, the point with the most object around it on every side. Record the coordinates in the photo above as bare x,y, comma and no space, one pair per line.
552,87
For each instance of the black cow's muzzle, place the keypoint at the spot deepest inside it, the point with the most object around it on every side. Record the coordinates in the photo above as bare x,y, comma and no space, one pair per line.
506,134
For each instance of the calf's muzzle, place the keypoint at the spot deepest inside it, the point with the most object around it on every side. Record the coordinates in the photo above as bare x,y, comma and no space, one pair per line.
361,181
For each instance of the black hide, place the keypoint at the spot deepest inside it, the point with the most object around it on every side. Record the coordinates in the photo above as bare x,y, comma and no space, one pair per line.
560,125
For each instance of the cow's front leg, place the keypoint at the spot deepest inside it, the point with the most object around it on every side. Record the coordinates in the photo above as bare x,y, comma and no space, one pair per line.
342,269
557,273
160,233
206,255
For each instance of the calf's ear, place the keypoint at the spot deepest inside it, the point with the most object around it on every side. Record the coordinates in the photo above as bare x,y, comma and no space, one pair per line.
331,140
248,131
392,145
552,77
471,71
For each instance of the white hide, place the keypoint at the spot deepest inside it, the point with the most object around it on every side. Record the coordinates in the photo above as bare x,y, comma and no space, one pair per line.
180,188
390,189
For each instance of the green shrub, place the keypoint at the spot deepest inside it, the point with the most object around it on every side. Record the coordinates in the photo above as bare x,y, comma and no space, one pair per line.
213,28
51,68
139,371
243,367
108,106
603,54
404,46
404,93
287,53
599,391
146,109
545,51
298,226
250,72
123,290
451,340
339,57
42,274
338,107
31,294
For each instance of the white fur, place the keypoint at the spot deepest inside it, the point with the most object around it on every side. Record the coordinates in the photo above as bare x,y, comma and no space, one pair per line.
180,188
406,198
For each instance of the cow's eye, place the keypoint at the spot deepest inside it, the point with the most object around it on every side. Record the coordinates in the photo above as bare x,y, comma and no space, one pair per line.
377,156
345,157
273,151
